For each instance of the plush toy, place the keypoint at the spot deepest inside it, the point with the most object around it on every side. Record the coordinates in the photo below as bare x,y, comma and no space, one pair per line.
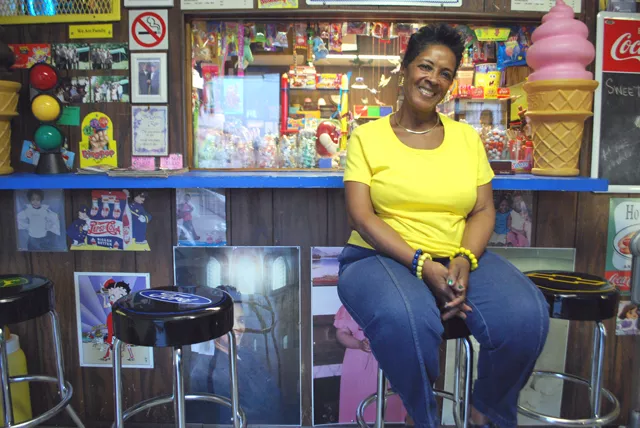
328,140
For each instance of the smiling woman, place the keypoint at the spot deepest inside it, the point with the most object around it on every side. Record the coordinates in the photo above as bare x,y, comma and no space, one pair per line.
419,198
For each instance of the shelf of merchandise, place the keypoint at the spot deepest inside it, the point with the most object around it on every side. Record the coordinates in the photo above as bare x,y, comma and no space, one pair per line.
268,180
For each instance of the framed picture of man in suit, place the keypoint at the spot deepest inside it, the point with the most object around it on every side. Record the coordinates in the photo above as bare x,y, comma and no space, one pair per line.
149,77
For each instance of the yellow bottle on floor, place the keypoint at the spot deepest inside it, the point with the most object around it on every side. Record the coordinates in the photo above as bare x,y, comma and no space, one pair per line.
19,391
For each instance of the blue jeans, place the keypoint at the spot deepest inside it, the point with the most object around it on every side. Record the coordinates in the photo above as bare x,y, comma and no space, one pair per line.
400,317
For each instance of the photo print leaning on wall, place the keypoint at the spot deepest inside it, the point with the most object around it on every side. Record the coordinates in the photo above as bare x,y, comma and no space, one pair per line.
265,285
40,221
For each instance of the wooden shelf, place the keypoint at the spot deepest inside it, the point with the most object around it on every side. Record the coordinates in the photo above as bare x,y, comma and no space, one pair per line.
275,180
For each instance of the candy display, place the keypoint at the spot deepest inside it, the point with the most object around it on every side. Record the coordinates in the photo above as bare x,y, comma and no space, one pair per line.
288,151
266,151
307,145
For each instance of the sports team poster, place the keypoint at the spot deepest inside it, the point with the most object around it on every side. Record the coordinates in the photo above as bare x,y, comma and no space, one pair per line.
115,221
201,217
514,219
265,285
40,220
624,221
344,369
96,292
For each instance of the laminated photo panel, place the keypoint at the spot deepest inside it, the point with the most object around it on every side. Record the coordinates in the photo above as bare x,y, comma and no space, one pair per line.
514,219
40,220
265,285
342,377
95,294
201,217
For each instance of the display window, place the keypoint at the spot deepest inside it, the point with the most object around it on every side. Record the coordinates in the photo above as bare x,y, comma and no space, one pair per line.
287,95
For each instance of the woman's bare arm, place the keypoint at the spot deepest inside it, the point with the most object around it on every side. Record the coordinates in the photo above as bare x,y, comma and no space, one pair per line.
480,222
346,339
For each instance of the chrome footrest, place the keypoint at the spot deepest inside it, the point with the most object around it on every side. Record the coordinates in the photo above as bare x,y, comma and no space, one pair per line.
66,395
552,420
167,399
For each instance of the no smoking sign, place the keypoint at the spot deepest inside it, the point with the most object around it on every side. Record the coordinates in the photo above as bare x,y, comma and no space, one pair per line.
148,30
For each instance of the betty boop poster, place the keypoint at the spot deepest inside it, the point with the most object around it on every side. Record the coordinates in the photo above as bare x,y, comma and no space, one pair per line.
40,220
115,221
96,292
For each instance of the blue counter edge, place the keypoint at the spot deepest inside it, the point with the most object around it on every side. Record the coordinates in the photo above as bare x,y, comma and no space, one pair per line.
268,180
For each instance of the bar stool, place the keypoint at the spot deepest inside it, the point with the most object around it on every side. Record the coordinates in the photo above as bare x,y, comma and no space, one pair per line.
23,298
577,296
454,328
174,317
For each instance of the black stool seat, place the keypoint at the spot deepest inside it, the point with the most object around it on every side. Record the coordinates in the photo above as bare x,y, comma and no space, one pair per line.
172,316
576,296
24,297
455,328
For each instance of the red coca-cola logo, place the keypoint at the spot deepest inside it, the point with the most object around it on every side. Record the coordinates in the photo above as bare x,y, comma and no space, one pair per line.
104,228
621,46
620,281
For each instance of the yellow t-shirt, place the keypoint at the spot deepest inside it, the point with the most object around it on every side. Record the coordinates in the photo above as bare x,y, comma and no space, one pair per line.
424,195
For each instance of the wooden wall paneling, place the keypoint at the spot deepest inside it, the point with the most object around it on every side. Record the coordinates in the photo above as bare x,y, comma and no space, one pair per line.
338,229
177,100
159,264
555,219
251,216
98,381
300,219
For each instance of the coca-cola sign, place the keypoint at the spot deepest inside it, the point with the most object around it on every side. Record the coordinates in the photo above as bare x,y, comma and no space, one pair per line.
621,47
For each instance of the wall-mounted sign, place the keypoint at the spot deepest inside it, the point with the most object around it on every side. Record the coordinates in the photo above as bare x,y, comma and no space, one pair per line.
425,3
215,4
277,4
616,123
91,31
148,29
542,5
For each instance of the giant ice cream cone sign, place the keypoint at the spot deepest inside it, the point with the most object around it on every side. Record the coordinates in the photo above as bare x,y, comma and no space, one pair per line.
559,91
8,106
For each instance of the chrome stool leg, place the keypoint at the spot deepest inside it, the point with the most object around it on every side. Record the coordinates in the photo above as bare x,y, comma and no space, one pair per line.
597,361
461,402
381,401
233,373
178,389
7,406
117,383
62,389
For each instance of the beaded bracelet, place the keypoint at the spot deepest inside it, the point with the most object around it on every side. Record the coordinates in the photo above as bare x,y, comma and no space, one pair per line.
467,254
418,262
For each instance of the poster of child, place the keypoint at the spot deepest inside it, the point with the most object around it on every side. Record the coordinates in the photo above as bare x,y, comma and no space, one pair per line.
40,220
96,292
627,320
202,217
344,370
514,221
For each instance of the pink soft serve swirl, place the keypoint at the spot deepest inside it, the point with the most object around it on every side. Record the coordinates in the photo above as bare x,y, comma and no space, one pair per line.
560,48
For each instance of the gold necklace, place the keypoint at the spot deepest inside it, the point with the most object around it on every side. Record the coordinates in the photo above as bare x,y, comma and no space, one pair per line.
411,131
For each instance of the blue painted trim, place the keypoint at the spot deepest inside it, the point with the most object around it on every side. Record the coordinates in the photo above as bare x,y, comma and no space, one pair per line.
262,180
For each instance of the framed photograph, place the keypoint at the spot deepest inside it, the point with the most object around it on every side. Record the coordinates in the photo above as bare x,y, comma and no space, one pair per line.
95,294
150,128
146,3
149,78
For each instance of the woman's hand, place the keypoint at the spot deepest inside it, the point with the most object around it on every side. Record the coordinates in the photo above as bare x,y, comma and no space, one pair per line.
435,276
458,281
